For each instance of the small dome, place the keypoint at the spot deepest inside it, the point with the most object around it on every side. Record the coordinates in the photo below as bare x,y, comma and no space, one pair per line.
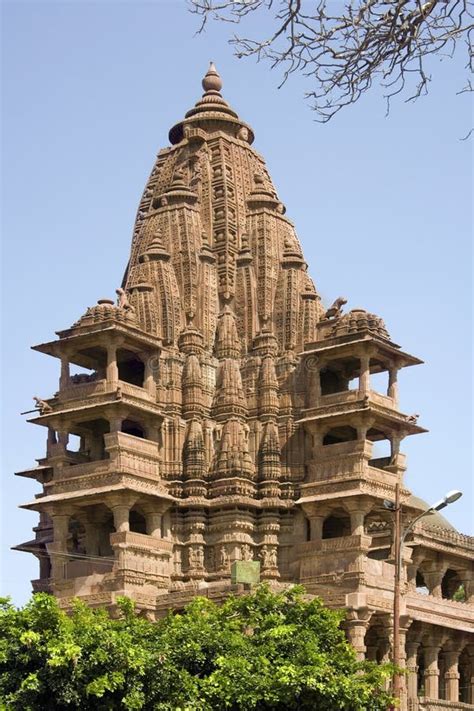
104,310
356,321
435,519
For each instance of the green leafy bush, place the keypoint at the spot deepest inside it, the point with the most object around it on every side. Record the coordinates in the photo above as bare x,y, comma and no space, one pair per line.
258,651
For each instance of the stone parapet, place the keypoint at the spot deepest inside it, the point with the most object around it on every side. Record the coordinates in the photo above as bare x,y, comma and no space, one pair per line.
436,611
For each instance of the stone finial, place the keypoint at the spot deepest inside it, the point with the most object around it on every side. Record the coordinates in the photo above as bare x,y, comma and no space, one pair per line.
212,81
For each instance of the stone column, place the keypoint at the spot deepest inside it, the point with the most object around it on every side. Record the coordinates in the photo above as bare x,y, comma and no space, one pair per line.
59,548
149,381
364,378
412,668
121,517
154,521
356,630
64,379
357,523
167,524
316,527
451,676
468,582
433,580
394,448
112,367
431,672
392,390
314,382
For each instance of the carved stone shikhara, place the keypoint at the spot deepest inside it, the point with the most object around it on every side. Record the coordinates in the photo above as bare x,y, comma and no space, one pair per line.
218,422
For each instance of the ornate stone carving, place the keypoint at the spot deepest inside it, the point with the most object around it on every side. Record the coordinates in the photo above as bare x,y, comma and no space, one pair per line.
218,423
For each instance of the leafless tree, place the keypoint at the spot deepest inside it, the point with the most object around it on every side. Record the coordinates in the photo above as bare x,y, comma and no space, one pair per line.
346,47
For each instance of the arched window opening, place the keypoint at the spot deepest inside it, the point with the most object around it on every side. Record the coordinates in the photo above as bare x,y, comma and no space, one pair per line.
420,584
340,434
336,526
130,367
133,428
137,522
451,585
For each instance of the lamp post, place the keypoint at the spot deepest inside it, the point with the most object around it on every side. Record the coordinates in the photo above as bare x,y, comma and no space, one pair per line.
399,540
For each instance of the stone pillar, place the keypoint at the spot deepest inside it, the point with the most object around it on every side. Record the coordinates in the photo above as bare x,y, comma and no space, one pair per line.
167,524
394,448
392,390
433,580
412,669
64,379
468,582
63,439
316,527
121,517
112,367
404,624
451,676
356,630
314,382
149,381
154,521
59,547
115,423
357,523
364,378
431,672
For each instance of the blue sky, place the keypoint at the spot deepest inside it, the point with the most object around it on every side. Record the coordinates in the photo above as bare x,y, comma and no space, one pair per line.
381,206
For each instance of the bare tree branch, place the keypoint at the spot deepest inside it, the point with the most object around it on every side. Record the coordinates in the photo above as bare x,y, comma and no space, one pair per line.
344,48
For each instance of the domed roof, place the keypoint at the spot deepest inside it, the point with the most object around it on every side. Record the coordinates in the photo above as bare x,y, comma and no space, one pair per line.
435,519
104,310
359,320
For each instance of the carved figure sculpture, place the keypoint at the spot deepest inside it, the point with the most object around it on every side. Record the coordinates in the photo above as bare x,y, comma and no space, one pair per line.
42,405
335,310
122,300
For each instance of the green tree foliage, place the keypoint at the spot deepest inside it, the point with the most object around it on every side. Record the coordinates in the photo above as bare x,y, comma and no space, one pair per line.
258,651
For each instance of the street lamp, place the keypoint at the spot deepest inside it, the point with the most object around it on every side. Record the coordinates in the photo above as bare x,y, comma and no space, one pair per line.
399,540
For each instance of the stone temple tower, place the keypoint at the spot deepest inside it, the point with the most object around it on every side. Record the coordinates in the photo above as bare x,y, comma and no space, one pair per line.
220,413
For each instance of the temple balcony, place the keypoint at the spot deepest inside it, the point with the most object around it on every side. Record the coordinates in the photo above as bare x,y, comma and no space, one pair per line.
359,405
438,611
85,397
129,462
348,468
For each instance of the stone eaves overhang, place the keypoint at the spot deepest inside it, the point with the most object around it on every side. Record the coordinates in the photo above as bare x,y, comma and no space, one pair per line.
344,345
79,339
